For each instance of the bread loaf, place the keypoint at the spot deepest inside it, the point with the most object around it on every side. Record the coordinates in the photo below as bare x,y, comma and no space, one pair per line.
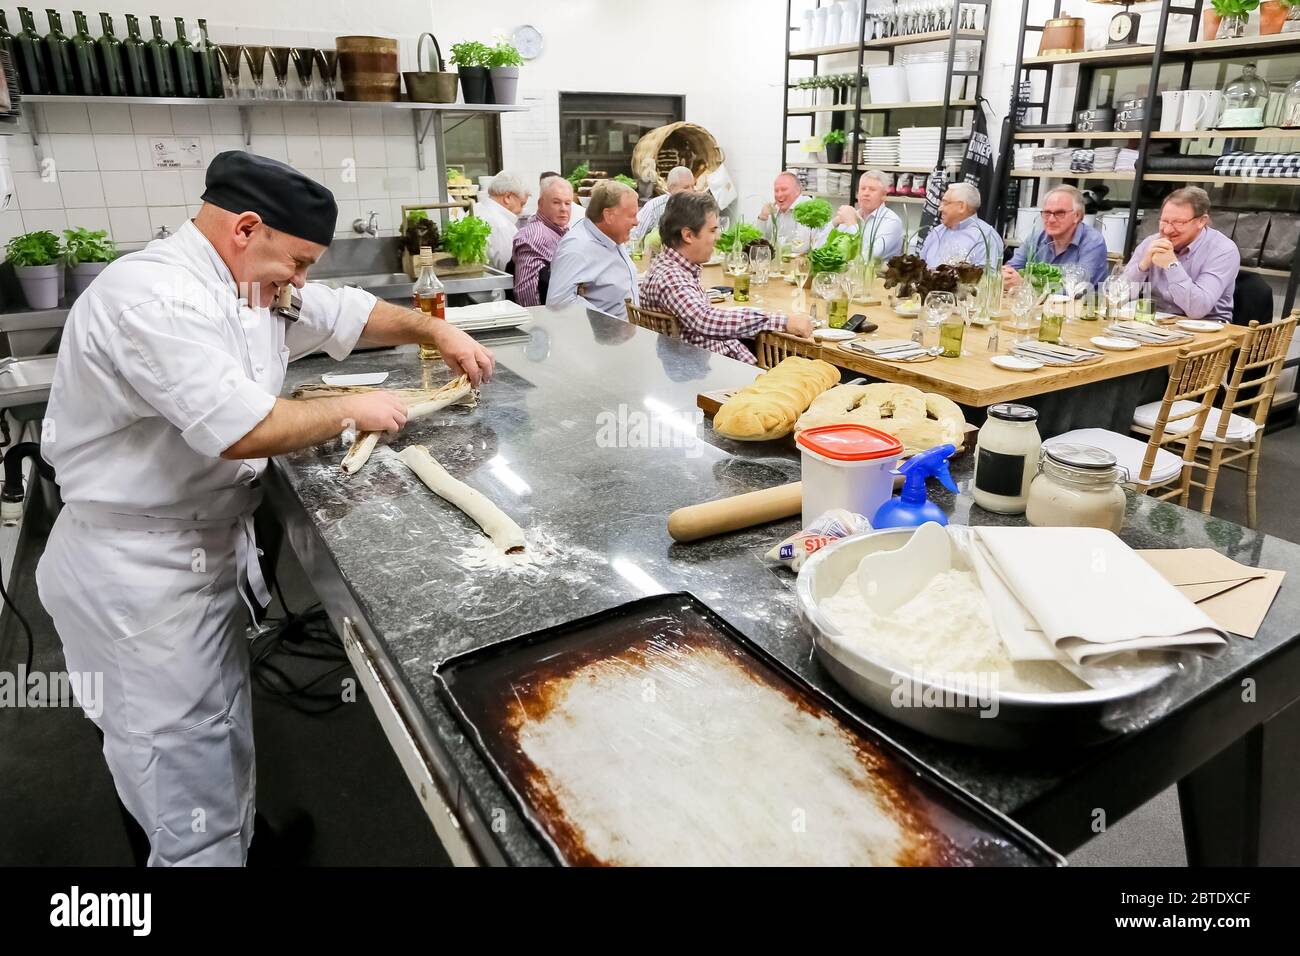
768,407
920,420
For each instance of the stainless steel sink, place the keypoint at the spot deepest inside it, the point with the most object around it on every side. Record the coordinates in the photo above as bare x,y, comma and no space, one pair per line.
25,381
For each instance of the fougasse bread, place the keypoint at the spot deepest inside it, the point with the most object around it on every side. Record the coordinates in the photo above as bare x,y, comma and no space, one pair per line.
768,407
920,420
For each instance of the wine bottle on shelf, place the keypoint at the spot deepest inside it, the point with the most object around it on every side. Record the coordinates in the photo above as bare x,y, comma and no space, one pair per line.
34,74
59,56
208,64
112,69
135,59
10,47
161,75
85,61
187,77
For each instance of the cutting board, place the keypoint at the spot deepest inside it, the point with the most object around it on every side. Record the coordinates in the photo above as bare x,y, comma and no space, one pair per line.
710,402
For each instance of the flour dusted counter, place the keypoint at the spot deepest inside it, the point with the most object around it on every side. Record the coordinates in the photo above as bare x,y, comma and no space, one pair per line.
587,438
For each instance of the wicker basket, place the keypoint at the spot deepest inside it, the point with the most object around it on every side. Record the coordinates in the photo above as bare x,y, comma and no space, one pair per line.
677,144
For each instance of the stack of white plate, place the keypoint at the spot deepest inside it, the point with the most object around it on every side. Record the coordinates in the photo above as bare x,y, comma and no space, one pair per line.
879,151
919,146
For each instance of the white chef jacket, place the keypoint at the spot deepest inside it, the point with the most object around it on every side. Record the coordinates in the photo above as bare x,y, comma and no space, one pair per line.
504,223
162,368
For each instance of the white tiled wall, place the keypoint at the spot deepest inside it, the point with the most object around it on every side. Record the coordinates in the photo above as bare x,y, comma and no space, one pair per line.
97,171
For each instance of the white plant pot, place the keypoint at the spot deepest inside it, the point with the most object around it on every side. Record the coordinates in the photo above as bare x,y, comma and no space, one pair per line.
42,285
83,274
505,84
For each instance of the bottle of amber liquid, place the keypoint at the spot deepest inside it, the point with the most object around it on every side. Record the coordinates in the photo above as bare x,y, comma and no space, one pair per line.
430,297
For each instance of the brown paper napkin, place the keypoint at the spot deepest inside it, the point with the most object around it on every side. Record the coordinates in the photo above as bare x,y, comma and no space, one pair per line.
1235,596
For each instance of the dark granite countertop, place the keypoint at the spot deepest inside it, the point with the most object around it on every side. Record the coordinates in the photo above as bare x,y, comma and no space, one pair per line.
536,445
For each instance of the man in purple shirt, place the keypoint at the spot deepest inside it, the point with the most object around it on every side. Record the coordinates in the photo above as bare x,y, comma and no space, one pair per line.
1192,269
535,242
1064,240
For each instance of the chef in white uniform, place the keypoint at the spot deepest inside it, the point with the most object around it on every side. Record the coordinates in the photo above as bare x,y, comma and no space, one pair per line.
162,413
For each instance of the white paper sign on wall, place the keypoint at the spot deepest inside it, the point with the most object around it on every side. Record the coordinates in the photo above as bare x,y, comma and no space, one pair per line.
170,152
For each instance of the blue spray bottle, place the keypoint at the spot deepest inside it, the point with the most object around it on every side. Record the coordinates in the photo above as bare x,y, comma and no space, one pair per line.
911,507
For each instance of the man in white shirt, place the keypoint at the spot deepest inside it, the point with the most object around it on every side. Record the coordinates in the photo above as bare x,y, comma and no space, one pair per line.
678,179
880,225
506,198
590,262
165,409
786,194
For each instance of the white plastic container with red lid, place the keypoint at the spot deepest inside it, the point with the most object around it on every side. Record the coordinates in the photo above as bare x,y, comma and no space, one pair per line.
846,466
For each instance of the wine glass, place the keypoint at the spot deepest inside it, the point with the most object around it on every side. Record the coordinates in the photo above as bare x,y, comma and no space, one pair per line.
327,65
303,60
799,270
824,287
256,56
231,55
1118,290
760,263
1074,283
280,67
1023,301
938,305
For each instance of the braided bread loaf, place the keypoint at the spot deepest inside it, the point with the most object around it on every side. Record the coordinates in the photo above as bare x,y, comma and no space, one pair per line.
920,420
768,407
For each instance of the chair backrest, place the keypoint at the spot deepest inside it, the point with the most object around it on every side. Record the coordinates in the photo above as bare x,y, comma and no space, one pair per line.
660,322
1252,299
543,282
772,347
1255,371
1195,377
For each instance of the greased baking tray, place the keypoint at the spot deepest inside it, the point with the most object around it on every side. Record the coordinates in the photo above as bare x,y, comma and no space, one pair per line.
656,734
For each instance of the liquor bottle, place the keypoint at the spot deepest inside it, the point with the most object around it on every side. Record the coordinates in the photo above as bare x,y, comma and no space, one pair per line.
429,295
187,77
208,64
112,69
59,56
161,75
135,58
85,62
34,74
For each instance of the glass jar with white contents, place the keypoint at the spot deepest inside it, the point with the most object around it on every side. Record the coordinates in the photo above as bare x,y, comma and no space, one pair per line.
1006,458
1077,486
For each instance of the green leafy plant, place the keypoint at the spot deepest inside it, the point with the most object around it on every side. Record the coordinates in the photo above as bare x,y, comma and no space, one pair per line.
625,180
33,249
578,175
742,232
86,245
1291,4
466,239
1234,8
814,214
503,54
836,136
470,53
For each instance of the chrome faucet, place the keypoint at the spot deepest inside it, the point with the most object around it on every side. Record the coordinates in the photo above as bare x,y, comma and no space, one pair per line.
367,227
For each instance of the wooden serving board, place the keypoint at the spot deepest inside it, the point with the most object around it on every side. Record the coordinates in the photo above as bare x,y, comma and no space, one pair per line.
710,402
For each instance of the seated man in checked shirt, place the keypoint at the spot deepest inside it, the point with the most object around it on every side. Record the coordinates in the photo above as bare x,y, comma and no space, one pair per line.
689,230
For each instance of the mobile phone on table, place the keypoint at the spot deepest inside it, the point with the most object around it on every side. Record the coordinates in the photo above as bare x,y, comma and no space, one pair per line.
860,323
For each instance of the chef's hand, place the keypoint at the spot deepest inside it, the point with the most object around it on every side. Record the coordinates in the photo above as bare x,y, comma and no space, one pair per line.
766,212
845,216
462,354
380,411
799,325
1011,279
1162,253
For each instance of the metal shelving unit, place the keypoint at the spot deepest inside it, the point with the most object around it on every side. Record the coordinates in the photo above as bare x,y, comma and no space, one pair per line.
951,108
1160,54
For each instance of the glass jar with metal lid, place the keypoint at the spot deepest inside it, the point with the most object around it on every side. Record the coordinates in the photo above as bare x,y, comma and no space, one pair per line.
1006,458
1077,486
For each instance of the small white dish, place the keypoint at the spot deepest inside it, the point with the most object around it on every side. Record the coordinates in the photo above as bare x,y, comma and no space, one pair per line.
1166,316
1014,363
833,335
1198,325
357,378
1114,343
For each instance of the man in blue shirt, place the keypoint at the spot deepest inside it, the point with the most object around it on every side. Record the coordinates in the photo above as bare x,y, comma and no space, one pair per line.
590,262
961,235
1064,240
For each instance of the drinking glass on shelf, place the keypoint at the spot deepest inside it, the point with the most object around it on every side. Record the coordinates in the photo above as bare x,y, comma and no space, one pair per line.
231,56
303,60
327,65
280,67
256,56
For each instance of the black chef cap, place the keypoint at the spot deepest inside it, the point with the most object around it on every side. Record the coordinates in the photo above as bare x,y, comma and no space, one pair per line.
284,198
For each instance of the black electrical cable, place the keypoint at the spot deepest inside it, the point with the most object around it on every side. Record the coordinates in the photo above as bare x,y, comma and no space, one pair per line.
27,629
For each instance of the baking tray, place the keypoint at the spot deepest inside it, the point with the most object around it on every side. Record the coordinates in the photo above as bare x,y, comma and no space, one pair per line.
656,733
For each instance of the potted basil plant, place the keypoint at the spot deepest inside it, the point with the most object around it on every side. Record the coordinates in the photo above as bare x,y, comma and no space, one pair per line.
87,252
36,258
503,63
471,62
834,141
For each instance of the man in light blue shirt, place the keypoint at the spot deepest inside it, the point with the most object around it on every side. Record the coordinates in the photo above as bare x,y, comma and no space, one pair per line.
590,262
678,178
960,235
1064,240
880,225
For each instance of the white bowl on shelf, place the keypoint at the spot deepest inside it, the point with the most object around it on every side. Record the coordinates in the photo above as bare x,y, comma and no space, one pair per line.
888,84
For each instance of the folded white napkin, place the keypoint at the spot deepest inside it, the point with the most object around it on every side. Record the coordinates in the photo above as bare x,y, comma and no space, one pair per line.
1085,593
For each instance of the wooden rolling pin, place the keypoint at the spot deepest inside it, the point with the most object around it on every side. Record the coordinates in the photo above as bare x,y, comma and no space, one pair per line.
732,514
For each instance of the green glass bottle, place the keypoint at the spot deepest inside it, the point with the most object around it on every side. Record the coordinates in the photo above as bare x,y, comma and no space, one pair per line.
112,71
187,75
85,61
135,58
208,64
34,74
10,47
59,56
161,75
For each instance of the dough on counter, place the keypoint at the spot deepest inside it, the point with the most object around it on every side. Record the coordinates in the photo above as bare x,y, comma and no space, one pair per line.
457,390
767,407
920,420
496,524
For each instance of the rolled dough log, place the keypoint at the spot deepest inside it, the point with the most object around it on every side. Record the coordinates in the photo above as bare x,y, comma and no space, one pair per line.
496,524
457,390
